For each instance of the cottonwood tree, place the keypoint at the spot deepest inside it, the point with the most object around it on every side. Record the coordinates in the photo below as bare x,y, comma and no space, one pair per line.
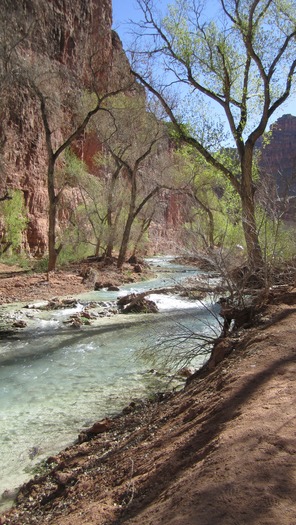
236,56
115,198
53,154
200,198
87,220
77,108
131,135
13,218
96,220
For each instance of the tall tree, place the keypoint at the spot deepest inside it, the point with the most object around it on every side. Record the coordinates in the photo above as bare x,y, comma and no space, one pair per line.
234,55
131,134
53,154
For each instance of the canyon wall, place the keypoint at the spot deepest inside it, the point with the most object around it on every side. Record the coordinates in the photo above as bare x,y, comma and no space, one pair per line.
278,154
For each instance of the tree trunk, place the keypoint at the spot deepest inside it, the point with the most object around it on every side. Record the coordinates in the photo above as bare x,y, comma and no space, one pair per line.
129,221
125,240
110,222
254,251
98,247
110,243
52,213
144,227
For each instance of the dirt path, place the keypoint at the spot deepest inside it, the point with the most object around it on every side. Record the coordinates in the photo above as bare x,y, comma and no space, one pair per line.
221,452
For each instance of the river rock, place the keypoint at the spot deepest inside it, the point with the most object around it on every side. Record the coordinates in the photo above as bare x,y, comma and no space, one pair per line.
141,306
88,315
56,304
126,299
135,260
113,288
19,324
186,371
9,494
136,303
100,427
98,285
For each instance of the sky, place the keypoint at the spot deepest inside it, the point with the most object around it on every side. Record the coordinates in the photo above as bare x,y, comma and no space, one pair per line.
125,10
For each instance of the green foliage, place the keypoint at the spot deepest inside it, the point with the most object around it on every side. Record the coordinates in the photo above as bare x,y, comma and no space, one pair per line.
74,252
86,221
73,171
41,265
232,60
16,259
15,220
277,239
228,233
215,215
42,468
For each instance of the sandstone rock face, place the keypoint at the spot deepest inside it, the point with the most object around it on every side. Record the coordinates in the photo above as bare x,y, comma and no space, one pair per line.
278,156
61,39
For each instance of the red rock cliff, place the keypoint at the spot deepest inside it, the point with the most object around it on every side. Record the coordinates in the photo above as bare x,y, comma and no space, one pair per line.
278,156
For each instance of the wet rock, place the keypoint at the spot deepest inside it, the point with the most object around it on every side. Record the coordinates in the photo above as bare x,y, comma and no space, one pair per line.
186,371
76,323
34,451
56,304
136,404
98,285
113,288
126,299
141,306
19,324
9,494
133,303
88,315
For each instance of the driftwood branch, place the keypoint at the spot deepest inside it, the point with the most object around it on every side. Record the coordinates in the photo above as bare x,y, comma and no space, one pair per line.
6,197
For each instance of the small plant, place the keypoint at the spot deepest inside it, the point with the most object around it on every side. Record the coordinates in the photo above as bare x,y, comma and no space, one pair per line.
15,259
72,253
41,265
14,221
41,469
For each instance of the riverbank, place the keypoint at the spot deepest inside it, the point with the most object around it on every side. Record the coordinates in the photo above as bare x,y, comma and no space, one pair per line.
221,451
19,286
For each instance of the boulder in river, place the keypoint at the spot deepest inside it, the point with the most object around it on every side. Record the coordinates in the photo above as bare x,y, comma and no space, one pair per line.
138,268
135,304
19,324
56,304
